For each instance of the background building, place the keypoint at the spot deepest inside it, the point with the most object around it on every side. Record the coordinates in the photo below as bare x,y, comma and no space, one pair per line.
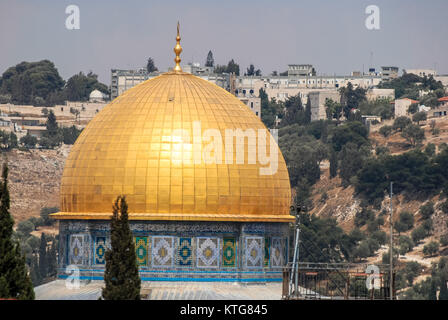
318,99
388,73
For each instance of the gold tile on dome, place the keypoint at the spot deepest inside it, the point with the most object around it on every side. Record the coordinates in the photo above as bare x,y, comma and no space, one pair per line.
137,155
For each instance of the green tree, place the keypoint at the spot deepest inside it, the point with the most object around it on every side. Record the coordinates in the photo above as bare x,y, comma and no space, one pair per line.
353,131
52,258
431,248
45,215
430,149
270,110
150,65
418,234
79,87
294,113
52,137
8,140
31,82
121,275
252,72
333,109
308,111
28,141
400,123
413,108
413,134
363,250
427,210
419,116
385,131
333,164
43,266
405,222
350,162
412,269
14,279
405,244
351,98
210,62
70,134
25,227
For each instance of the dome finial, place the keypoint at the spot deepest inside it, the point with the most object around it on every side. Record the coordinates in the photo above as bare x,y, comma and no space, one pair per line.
177,51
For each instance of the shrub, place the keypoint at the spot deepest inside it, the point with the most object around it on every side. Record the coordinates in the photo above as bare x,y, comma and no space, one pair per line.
418,234
405,222
380,236
412,269
45,212
444,207
427,210
431,248
430,149
28,141
25,227
406,244
385,258
400,123
381,150
427,226
444,240
361,217
385,131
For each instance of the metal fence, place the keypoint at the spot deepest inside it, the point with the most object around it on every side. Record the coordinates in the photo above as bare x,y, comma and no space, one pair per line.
337,281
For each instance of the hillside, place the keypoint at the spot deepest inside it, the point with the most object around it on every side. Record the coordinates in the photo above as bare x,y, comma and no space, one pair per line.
34,180
330,199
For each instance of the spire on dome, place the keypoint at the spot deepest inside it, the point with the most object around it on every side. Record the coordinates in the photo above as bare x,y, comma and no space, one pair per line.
177,51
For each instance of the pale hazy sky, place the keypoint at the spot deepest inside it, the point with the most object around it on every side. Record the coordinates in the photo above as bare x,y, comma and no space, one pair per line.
330,34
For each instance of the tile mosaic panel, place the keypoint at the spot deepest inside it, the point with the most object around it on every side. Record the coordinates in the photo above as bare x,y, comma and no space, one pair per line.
229,252
278,252
162,253
254,252
100,250
141,250
185,253
207,252
76,253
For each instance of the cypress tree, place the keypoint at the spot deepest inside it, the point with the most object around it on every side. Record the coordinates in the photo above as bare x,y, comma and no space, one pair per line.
43,266
34,272
52,259
308,111
333,164
210,62
443,295
14,279
121,275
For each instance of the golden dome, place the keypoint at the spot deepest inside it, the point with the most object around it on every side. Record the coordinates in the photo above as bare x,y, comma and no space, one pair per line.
129,148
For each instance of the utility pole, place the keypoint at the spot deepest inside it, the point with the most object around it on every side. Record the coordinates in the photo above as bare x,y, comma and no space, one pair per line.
295,263
391,255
